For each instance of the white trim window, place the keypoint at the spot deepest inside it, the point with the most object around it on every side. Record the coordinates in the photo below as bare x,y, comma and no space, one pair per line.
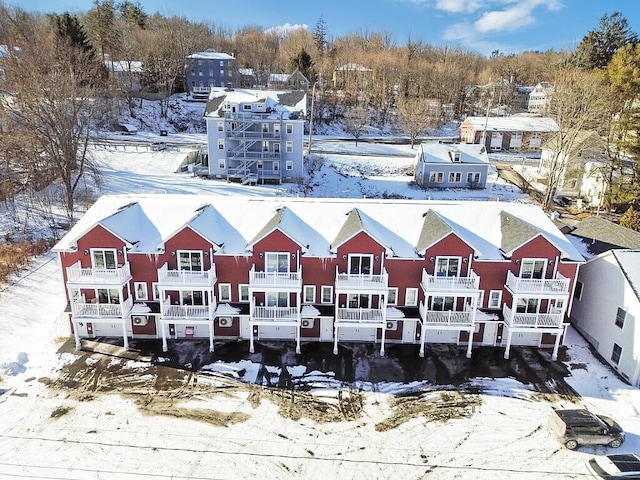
616,354
436,177
360,264
289,128
156,291
448,266
221,144
309,294
455,177
104,258
473,177
190,260
224,292
495,299
140,289
327,294
289,165
289,146
276,262
411,297
480,299
392,296
222,163
243,293
621,316
277,299
533,267
221,126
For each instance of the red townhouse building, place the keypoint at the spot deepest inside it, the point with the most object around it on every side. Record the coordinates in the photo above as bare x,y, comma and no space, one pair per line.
176,267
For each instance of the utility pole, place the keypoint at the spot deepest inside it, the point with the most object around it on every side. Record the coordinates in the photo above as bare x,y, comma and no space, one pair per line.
313,97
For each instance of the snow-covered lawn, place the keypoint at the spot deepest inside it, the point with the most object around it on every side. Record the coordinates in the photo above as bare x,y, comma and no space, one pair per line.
218,428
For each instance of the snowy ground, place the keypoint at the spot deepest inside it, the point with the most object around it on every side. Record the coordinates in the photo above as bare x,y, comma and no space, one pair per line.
77,433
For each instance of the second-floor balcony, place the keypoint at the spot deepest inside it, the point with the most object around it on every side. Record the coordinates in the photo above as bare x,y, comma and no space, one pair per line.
538,286
361,282
78,276
447,317
93,309
534,320
275,314
434,283
361,316
275,280
189,278
187,312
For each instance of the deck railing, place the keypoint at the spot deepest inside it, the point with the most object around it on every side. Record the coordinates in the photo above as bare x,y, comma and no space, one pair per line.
447,317
434,283
205,312
275,314
98,276
289,280
358,282
82,308
533,320
194,278
539,286
360,315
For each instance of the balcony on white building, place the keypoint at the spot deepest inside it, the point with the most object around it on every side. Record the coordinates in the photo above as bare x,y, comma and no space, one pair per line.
513,318
360,316
438,284
188,312
83,277
82,308
186,278
464,317
362,282
275,314
538,286
291,281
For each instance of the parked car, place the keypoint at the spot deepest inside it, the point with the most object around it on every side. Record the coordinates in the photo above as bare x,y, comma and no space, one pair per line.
158,146
624,465
575,427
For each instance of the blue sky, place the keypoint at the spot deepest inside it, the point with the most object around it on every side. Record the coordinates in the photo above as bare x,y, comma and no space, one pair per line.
510,26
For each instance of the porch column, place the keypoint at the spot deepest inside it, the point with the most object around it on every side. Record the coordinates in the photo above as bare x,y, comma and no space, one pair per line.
211,335
124,335
252,348
164,337
556,346
508,347
470,344
298,303
252,306
384,332
76,336
335,338
422,330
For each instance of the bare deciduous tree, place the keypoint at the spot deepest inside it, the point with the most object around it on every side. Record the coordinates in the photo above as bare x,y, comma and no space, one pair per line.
417,114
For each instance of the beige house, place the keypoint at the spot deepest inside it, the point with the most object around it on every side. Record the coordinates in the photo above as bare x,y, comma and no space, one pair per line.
516,133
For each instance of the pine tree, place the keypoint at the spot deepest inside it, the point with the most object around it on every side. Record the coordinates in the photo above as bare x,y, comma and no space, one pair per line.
320,35
631,219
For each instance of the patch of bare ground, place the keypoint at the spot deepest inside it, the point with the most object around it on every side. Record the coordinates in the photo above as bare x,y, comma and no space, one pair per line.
330,405
434,406
169,407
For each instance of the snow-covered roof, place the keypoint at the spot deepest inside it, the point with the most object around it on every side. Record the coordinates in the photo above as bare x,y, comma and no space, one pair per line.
351,67
279,77
629,261
281,102
211,56
514,123
123,66
318,224
433,152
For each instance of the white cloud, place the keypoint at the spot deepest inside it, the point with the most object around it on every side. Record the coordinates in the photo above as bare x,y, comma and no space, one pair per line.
458,6
286,29
508,19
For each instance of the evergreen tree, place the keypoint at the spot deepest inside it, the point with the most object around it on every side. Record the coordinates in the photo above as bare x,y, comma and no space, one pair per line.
320,35
631,219
598,46
303,62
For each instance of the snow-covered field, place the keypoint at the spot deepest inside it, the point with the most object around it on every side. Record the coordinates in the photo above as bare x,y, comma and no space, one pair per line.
58,433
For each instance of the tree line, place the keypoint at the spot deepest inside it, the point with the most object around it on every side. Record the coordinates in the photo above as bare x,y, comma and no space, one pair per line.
56,89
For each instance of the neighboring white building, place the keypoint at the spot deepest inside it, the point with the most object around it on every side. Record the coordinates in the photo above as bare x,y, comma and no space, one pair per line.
449,165
516,133
254,135
539,97
606,309
583,168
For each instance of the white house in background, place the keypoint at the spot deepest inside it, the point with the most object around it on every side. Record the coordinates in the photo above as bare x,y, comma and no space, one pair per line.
519,133
450,165
254,135
583,167
606,309
539,97
127,73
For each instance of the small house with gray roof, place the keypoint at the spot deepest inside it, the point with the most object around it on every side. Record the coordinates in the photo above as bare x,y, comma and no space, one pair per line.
254,136
606,309
451,165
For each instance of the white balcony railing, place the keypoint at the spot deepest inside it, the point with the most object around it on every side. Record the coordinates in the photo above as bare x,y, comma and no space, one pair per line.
362,282
433,283
82,308
275,314
285,280
360,315
533,320
186,312
191,278
538,286
76,275
447,317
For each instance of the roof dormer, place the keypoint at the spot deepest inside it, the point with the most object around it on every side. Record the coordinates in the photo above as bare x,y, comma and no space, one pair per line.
454,155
